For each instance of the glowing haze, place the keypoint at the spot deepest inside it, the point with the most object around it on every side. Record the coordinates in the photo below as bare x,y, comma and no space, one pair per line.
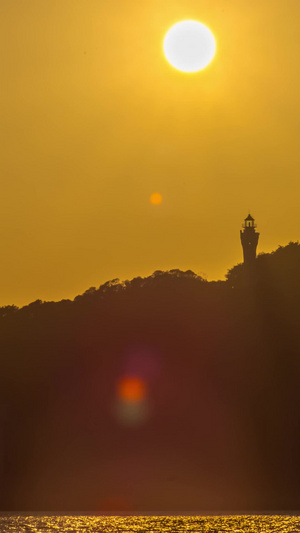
94,121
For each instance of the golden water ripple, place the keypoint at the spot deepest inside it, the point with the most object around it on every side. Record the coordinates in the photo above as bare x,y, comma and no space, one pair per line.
139,524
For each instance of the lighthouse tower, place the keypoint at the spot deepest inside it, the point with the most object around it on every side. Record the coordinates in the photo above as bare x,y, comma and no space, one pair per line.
249,240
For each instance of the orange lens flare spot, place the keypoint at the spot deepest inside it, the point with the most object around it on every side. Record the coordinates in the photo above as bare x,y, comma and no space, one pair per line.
132,389
156,198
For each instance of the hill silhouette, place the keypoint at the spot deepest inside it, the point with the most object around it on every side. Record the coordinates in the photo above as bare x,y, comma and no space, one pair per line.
161,394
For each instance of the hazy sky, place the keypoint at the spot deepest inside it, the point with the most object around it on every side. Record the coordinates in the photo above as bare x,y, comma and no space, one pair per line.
94,120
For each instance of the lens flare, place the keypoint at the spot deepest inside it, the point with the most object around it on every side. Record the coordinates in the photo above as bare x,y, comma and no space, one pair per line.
132,414
156,198
132,403
132,389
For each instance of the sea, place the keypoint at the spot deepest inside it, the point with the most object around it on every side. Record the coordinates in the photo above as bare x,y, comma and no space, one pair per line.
149,524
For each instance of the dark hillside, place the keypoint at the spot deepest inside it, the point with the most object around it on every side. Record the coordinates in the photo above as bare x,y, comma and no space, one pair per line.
161,393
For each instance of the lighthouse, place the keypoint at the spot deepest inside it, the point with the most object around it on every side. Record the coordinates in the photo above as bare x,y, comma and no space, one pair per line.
249,240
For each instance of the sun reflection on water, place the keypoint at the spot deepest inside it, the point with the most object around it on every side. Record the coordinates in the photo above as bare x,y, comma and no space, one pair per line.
162,524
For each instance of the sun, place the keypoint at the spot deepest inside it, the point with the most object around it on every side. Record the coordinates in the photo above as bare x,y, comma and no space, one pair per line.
189,46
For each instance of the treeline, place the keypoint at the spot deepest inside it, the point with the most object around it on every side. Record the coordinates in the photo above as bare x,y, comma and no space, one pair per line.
218,426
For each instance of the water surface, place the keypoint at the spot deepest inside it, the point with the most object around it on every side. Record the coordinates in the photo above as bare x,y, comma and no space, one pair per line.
138,524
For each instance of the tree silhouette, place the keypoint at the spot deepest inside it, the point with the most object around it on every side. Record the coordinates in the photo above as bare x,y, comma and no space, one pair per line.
217,428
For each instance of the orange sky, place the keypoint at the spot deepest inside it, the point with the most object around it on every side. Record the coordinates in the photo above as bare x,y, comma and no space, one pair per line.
94,120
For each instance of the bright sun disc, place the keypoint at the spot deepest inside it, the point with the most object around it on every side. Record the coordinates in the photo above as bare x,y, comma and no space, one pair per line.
189,46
